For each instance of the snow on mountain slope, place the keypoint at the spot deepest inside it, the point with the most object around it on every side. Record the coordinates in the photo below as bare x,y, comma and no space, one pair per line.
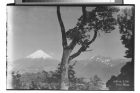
39,54
35,62
104,67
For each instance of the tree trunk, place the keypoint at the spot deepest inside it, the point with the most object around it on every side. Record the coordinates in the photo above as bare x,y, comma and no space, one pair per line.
64,68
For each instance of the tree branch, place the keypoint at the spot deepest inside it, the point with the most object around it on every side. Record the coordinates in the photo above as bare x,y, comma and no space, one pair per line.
72,44
76,54
86,44
94,37
84,13
83,47
74,41
64,40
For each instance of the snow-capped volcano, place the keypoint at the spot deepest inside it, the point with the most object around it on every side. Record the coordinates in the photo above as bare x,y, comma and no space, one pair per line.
39,54
104,60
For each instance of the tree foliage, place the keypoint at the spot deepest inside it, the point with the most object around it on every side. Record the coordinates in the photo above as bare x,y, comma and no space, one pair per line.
95,83
125,80
100,19
50,81
44,80
126,26
16,83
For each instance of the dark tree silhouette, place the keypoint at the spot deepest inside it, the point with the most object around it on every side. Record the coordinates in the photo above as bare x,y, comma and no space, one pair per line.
100,19
95,83
16,83
33,85
125,80
126,25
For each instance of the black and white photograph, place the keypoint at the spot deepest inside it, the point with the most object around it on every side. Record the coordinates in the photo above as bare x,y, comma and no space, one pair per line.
72,48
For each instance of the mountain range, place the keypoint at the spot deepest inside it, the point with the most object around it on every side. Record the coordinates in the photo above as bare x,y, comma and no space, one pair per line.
38,61
102,66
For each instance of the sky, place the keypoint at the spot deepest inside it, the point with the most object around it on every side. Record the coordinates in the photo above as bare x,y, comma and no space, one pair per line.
33,28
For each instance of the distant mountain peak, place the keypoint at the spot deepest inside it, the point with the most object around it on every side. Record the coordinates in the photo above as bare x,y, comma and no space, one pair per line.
39,54
104,60
101,58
